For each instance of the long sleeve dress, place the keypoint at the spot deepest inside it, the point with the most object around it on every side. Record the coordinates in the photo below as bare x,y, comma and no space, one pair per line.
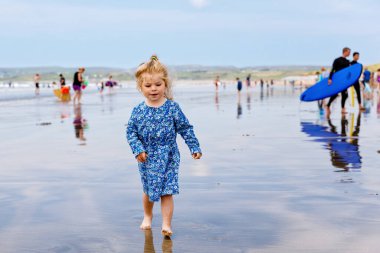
154,130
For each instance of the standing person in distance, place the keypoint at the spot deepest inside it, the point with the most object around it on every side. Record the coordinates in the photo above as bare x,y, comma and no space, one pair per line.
37,78
62,80
239,85
77,85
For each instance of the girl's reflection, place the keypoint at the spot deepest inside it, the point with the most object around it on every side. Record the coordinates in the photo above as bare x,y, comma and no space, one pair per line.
167,243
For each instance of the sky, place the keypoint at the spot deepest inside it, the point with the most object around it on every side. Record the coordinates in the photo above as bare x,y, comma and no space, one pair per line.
124,33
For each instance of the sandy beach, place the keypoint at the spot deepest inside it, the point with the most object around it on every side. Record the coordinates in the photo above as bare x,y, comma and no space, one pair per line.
273,177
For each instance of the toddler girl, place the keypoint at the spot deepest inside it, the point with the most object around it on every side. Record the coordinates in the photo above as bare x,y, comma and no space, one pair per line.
151,133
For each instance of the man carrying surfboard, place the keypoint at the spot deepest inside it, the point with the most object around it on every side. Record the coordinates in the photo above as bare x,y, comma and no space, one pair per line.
339,64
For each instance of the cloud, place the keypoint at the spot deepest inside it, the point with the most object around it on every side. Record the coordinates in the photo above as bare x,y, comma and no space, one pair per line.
199,3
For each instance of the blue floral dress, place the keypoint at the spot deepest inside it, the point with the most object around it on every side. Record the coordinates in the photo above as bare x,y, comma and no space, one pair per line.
154,130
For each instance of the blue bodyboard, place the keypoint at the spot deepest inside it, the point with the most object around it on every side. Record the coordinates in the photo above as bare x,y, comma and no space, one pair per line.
341,80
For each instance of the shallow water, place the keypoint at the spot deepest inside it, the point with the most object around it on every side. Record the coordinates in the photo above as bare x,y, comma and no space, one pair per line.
276,176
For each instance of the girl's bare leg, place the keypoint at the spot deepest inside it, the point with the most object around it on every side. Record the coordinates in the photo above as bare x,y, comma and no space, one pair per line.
167,207
148,213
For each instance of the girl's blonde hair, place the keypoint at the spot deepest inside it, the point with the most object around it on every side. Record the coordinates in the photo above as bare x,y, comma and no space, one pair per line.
154,66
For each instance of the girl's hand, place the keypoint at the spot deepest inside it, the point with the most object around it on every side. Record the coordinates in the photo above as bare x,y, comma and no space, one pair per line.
197,155
142,157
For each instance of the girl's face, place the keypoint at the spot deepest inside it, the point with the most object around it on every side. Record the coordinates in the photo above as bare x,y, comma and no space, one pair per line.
153,87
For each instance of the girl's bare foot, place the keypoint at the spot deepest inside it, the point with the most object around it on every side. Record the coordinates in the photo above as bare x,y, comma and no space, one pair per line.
166,231
146,223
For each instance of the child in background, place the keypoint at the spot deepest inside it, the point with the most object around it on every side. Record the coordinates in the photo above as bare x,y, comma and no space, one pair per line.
37,78
239,85
151,133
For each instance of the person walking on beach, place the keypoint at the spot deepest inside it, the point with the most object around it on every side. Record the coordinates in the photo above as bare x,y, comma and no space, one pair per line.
366,75
339,64
101,87
324,73
62,80
110,84
151,133
217,83
357,83
319,102
239,85
37,83
248,81
77,84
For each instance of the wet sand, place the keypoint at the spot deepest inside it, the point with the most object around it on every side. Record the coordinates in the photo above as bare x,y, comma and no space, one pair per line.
275,176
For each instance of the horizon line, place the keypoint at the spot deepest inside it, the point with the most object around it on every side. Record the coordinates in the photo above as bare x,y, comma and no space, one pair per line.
180,65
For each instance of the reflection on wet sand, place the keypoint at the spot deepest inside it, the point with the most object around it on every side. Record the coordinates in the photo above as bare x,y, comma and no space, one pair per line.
239,109
280,189
167,243
343,147
79,124
64,112
248,101
345,152
217,100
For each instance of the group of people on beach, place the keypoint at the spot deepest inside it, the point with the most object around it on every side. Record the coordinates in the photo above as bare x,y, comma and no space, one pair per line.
79,84
361,84
154,124
367,83
239,83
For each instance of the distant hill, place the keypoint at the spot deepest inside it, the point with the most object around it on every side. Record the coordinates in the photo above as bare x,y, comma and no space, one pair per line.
374,67
52,73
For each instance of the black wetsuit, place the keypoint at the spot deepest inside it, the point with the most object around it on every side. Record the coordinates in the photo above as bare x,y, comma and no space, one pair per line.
357,86
77,84
339,64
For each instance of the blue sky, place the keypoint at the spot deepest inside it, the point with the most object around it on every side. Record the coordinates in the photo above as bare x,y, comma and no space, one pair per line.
208,32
